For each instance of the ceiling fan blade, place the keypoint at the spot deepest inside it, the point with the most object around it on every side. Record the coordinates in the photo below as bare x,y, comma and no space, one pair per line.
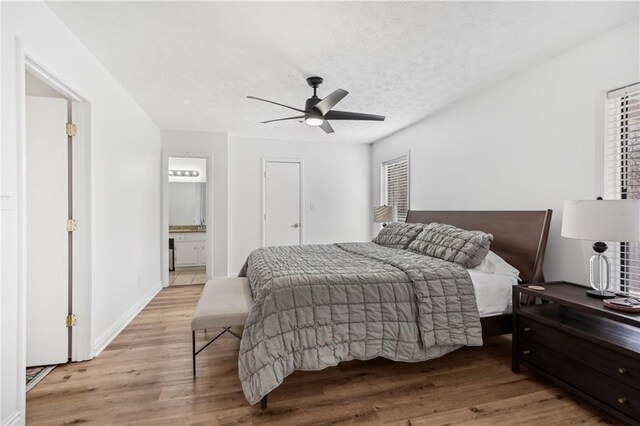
330,101
344,115
283,119
275,103
326,127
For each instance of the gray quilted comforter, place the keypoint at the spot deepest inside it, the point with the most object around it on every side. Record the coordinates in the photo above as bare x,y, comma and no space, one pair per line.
317,305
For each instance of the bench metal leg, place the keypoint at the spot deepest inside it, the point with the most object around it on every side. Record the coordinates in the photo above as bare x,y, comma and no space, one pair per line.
263,403
195,352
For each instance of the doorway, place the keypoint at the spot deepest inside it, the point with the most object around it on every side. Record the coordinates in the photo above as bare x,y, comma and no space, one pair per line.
48,300
80,347
187,255
282,189
49,200
187,220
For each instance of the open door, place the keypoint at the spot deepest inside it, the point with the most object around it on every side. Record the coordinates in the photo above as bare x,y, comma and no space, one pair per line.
47,236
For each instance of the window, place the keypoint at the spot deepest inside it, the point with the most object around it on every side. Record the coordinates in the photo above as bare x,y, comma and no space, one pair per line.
622,176
394,189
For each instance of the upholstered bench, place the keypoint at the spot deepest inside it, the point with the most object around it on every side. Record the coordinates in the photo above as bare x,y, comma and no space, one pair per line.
224,303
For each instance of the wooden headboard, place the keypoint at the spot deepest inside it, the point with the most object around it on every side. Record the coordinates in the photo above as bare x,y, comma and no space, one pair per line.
519,237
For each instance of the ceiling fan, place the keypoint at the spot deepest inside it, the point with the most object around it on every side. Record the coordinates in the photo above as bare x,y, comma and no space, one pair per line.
317,112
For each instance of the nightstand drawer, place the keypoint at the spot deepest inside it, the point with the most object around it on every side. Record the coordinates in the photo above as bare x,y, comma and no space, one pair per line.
612,363
617,395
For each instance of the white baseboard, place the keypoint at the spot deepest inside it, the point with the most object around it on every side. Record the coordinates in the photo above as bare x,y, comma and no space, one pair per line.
116,328
14,419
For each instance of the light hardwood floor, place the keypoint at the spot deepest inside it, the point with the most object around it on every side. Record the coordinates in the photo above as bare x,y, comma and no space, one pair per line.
144,377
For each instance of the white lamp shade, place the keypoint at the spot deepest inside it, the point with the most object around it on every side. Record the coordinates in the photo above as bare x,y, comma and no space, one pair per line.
384,214
601,220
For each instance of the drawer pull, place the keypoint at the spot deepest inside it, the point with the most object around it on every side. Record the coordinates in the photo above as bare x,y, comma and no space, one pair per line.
526,352
622,400
622,370
526,329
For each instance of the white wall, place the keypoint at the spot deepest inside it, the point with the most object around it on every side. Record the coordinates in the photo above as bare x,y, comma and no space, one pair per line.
528,143
214,144
125,200
336,181
4,412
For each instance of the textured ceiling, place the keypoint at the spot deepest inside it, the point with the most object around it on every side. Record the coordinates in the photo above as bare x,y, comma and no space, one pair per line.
191,64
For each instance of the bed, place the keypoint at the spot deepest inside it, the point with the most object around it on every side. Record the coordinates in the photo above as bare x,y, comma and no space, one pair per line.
318,305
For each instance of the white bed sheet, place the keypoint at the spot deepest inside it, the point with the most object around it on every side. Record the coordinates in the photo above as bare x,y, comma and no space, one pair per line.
493,292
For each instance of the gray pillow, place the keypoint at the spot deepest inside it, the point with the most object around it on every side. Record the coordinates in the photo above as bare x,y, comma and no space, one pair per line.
398,235
446,242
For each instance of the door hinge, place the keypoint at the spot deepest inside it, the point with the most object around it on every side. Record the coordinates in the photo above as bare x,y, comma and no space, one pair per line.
71,129
71,320
71,225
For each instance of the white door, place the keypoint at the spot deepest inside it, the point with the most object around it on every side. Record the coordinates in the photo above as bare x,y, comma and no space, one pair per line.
282,221
47,237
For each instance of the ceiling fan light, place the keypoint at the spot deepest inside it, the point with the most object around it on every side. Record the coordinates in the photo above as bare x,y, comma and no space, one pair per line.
314,121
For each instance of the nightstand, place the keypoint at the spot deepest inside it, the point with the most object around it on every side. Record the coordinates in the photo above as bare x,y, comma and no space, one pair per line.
581,346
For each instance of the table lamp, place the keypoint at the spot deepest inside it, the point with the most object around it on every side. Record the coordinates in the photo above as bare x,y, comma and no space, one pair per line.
601,220
384,214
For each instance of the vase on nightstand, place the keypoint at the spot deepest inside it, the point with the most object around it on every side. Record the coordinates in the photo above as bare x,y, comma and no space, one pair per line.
600,273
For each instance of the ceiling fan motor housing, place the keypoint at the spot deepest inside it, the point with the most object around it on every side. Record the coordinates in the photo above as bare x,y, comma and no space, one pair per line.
311,102
313,116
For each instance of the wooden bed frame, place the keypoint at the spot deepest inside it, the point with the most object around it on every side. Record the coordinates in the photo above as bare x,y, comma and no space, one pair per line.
519,237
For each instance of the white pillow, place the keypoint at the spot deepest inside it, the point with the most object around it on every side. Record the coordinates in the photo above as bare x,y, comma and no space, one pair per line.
494,264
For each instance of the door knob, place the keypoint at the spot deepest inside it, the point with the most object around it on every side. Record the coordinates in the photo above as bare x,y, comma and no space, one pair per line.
295,225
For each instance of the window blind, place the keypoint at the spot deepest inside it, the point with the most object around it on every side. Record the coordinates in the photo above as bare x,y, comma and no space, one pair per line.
622,177
395,185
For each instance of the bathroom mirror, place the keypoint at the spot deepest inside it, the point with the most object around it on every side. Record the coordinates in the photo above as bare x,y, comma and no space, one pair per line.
187,203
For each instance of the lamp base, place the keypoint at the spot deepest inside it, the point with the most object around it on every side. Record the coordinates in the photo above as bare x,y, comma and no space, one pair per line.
601,294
